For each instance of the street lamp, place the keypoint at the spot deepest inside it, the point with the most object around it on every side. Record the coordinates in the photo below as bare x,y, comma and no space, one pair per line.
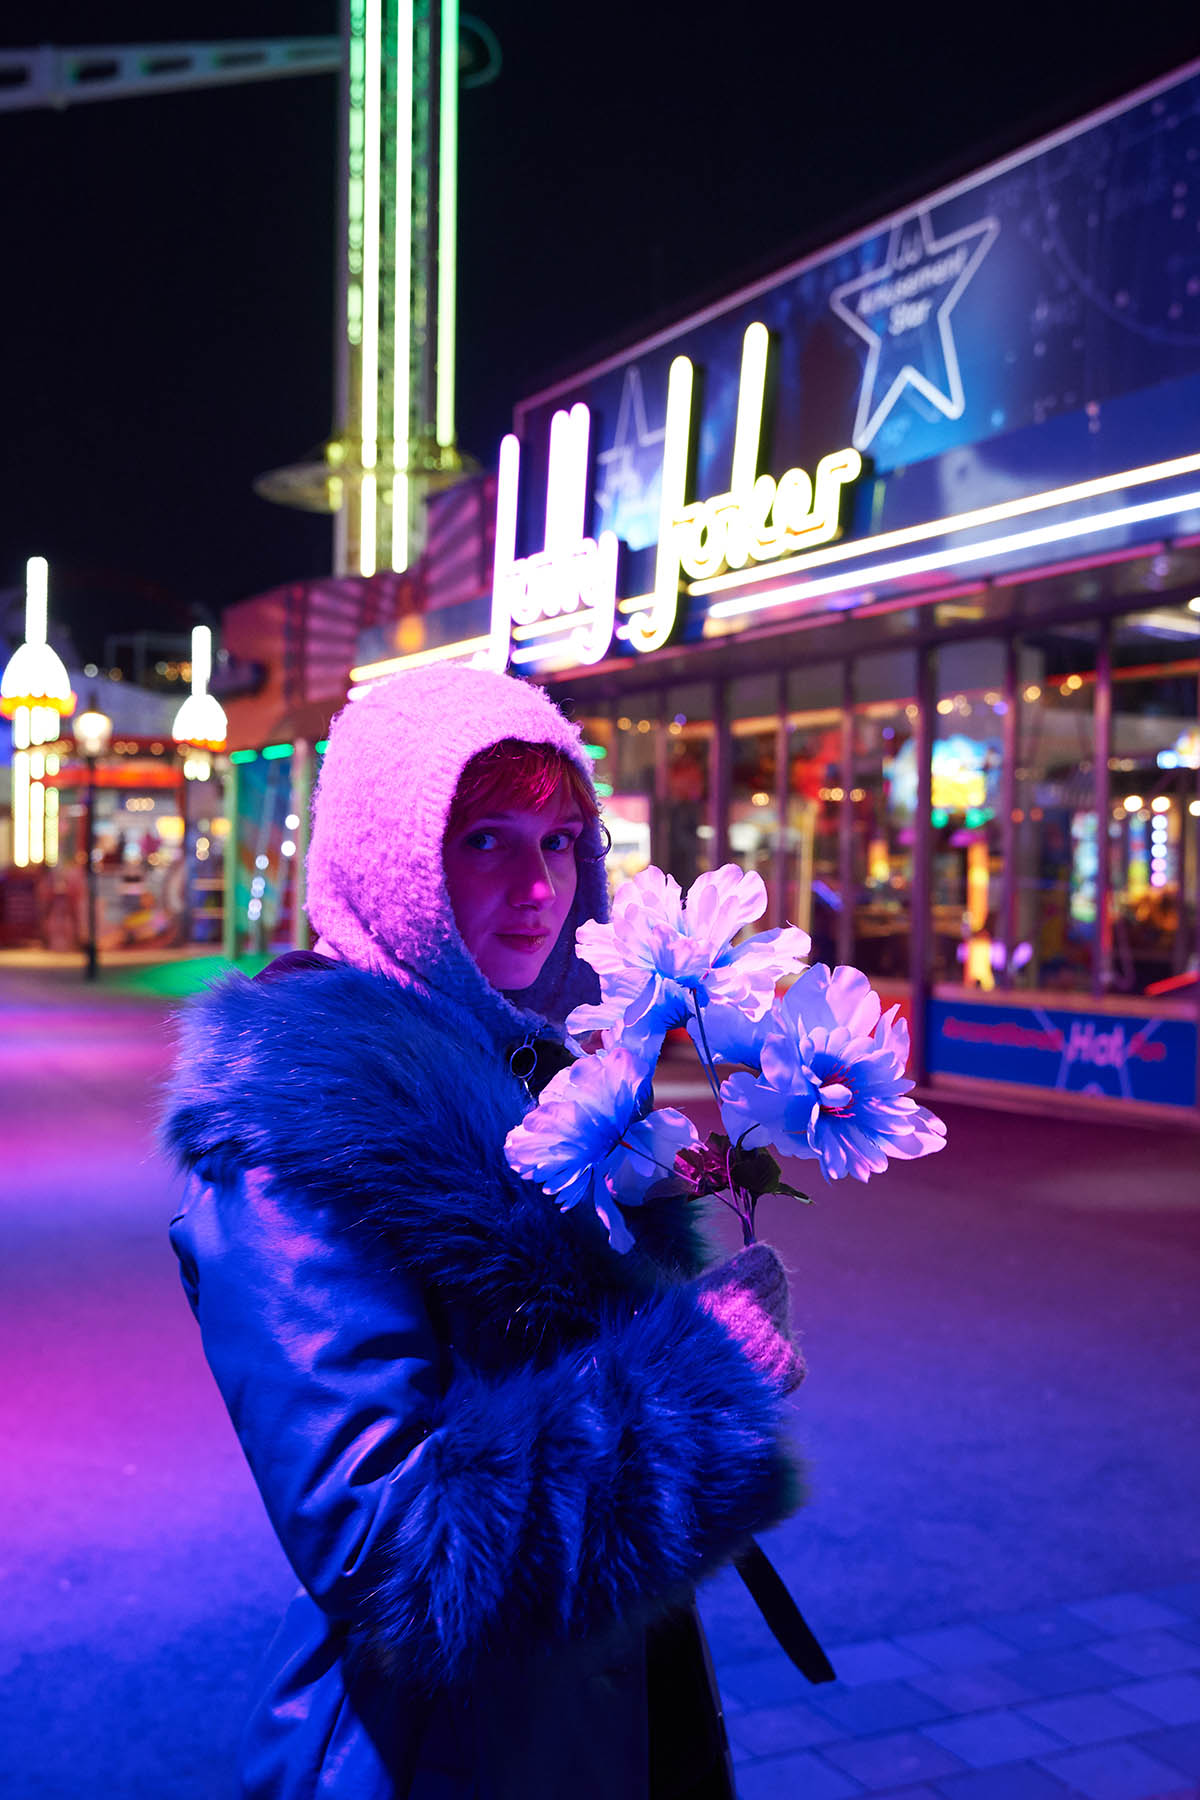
200,728
35,693
93,732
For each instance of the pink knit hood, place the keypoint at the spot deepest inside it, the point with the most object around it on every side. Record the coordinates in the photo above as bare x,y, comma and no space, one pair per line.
376,886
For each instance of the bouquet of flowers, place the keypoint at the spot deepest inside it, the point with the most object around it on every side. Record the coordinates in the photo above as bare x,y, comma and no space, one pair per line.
817,1072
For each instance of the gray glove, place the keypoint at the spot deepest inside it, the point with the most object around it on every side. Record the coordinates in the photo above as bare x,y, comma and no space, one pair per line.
748,1295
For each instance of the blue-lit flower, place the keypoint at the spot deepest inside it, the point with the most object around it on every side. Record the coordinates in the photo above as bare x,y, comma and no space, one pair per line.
586,1140
832,1083
661,954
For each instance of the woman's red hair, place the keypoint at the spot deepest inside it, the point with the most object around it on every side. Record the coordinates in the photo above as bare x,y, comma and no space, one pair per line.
514,774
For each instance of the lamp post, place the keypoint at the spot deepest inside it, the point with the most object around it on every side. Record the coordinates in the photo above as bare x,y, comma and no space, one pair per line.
93,732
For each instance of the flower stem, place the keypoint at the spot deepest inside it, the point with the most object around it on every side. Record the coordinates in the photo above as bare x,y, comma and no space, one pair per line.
706,1059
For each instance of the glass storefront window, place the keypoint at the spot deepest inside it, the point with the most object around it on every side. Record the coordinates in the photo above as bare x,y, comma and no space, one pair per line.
883,797
629,771
1154,777
813,888
1054,818
753,812
966,800
688,834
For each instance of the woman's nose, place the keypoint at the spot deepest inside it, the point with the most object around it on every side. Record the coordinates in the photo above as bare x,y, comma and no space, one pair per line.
532,880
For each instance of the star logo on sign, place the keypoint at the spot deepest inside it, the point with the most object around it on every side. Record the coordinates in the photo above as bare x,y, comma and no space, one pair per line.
622,488
902,313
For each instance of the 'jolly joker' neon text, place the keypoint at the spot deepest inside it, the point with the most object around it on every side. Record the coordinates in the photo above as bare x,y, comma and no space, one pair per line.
563,598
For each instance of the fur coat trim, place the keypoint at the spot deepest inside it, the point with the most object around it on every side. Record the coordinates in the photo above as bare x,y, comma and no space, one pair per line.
348,1089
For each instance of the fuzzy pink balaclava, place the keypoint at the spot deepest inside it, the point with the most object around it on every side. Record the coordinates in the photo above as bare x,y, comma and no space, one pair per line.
376,886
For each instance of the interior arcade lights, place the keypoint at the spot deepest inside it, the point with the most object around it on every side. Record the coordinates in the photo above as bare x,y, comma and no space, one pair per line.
35,693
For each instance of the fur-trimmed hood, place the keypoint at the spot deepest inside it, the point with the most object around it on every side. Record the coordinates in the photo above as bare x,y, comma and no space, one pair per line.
357,1094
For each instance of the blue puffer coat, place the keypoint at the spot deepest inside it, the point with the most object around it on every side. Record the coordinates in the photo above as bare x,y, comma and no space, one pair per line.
498,1455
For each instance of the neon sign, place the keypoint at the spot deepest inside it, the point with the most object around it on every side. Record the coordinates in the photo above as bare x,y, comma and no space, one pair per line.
570,585
761,518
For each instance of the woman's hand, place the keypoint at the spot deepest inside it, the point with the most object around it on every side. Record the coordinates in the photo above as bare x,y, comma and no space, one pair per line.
748,1295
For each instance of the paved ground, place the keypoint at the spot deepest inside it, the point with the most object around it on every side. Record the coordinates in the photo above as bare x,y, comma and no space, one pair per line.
1002,1551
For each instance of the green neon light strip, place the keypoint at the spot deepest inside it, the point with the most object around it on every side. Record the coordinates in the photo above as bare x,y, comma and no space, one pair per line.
603,789
369,413
597,752
321,746
402,254
241,756
272,752
447,232
354,184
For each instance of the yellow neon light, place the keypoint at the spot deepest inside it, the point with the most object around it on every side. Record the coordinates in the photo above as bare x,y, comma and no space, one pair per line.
367,547
20,786
51,819
447,206
402,264
392,665
730,529
751,388
966,521
369,389
654,614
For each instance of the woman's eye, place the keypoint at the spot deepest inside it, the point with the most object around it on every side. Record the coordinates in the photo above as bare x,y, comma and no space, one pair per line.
558,841
478,840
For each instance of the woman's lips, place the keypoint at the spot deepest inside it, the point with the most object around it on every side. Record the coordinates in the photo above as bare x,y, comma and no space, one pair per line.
522,940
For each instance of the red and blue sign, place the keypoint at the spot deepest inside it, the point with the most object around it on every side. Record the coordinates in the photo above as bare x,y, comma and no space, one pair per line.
1116,1055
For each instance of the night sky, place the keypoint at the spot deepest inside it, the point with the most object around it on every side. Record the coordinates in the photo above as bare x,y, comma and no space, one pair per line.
167,295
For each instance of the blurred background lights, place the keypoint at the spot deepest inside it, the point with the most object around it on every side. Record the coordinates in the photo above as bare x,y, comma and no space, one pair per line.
1132,803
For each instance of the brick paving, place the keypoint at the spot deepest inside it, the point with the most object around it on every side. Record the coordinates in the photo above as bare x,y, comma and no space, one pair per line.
1096,1700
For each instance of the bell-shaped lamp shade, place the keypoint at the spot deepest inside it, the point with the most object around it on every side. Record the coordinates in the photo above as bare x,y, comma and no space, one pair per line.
201,720
34,674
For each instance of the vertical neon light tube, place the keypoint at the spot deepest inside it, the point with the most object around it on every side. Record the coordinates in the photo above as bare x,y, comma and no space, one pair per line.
201,658
402,264
447,222
505,552
20,787
36,582
649,631
575,486
354,183
751,388
37,792
372,78
558,458
52,814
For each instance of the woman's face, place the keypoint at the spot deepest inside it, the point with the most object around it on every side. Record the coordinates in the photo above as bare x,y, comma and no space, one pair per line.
511,878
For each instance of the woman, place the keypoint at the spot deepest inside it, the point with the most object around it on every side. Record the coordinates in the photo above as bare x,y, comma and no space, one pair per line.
497,1455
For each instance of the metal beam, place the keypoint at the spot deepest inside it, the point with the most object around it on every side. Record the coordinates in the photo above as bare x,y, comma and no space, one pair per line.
59,78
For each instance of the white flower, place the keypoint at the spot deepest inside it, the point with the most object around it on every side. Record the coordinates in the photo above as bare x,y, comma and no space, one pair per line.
659,955
586,1140
832,1083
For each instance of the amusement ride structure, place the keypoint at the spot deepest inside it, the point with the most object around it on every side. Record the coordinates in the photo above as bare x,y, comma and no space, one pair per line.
401,64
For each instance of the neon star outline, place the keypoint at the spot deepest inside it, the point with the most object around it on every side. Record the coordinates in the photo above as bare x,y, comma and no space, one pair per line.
951,404
619,481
